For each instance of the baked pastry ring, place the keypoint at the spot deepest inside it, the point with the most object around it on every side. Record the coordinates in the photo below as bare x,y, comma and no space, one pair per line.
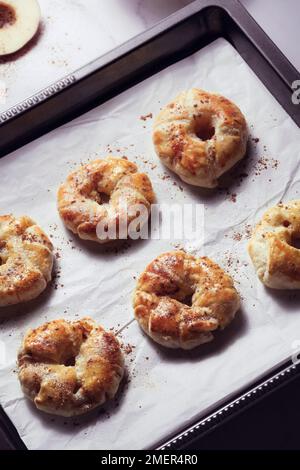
26,260
19,22
180,300
96,194
200,136
275,259
69,368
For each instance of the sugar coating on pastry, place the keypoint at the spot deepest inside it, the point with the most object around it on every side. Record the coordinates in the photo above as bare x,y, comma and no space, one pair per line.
26,260
271,247
96,194
69,368
180,300
200,136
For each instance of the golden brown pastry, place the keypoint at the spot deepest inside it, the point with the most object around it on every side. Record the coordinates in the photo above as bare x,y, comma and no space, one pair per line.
275,259
94,195
69,368
26,260
180,300
199,136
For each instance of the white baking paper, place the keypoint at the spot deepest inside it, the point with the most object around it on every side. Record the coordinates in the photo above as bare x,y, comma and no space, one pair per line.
167,389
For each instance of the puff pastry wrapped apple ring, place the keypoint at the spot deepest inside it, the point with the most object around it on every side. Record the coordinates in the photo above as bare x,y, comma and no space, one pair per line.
180,300
95,196
200,136
26,260
271,247
69,368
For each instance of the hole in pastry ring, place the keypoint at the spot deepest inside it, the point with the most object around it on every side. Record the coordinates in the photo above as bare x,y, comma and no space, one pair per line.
169,284
69,368
95,193
199,136
273,246
26,260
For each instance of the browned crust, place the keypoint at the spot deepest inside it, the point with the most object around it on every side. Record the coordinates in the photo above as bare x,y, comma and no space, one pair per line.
26,255
284,259
69,368
80,201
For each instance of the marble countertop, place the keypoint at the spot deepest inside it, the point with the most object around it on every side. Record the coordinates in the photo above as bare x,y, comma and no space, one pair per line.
74,32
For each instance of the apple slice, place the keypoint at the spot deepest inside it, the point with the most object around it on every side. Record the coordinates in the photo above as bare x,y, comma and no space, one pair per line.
19,21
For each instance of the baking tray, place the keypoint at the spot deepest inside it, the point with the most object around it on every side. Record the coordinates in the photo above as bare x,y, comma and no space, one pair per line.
171,40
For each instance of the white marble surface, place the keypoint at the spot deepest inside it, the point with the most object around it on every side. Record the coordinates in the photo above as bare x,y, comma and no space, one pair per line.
74,32
100,284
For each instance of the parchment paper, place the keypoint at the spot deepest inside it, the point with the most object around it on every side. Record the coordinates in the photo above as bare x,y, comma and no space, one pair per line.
165,389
